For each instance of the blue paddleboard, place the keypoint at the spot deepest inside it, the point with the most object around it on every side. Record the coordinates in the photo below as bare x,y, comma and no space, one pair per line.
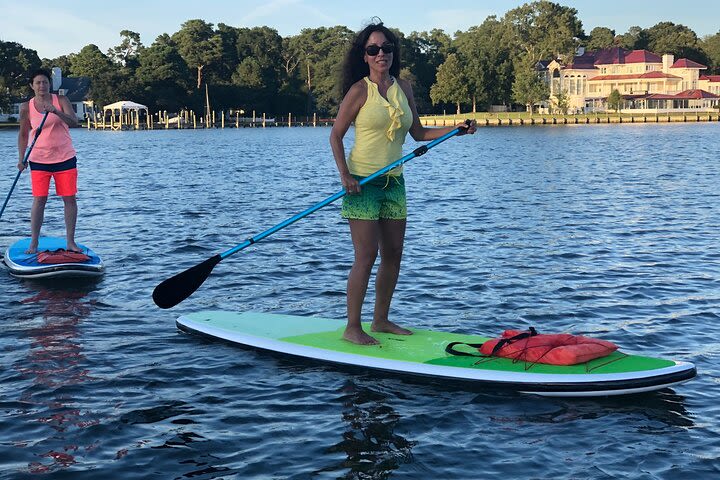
32,265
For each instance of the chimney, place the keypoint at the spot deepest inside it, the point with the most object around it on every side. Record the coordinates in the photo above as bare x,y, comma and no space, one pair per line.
668,60
56,78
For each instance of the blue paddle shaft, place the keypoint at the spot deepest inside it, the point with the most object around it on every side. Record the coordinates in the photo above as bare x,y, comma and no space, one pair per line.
415,153
25,161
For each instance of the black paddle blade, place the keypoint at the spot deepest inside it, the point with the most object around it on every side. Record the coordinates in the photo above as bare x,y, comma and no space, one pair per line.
176,289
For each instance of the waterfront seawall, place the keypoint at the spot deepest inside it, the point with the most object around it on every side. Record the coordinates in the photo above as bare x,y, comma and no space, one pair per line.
502,120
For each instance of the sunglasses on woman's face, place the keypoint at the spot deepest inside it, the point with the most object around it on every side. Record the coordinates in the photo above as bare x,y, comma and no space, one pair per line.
373,50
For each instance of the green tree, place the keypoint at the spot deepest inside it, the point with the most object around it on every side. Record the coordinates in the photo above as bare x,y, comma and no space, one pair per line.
320,53
450,86
614,100
711,46
600,38
562,102
528,88
261,47
292,94
545,30
486,55
291,57
634,39
163,76
667,37
474,71
90,62
128,49
125,61
199,45
15,63
64,62
249,74
108,82
229,59
421,54
542,30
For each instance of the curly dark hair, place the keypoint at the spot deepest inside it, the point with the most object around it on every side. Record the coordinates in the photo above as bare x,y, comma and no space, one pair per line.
40,71
354,67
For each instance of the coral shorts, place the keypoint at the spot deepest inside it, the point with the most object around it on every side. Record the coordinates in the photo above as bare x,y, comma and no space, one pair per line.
65,175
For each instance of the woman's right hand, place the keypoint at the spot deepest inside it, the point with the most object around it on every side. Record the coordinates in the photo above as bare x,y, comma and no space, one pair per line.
50,108
21,165
350,184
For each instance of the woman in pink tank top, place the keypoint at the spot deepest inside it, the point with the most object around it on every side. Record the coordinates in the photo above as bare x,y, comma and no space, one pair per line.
52,157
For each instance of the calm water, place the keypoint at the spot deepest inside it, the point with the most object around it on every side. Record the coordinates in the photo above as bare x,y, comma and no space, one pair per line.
605,230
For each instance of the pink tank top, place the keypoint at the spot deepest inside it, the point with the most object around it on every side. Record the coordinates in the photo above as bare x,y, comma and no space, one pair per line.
54,144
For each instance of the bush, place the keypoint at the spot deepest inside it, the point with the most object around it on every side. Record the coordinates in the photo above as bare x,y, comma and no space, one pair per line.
12,120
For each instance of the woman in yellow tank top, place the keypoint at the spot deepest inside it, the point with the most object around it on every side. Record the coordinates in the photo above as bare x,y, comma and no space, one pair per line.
383,109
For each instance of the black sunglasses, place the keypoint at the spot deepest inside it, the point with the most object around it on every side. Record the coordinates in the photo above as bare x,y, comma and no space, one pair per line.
373,50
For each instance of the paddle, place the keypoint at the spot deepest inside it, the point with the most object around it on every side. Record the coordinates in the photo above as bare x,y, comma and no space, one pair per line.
176,289
25,161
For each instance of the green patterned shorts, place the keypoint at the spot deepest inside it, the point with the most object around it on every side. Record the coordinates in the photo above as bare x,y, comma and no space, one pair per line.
383,197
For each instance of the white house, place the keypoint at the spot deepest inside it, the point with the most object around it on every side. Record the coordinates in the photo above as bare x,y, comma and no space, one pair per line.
76,89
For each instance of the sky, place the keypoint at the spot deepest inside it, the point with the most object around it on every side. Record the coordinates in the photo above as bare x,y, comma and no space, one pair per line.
58,28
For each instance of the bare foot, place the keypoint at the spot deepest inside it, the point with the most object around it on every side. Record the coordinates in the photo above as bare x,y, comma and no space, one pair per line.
359,337
72,247
31,250
386,326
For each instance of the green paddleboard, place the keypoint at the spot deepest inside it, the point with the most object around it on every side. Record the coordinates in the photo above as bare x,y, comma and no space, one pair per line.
423,354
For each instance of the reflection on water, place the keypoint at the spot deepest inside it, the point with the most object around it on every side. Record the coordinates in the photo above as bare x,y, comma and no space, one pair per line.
55,363
665,410
372,447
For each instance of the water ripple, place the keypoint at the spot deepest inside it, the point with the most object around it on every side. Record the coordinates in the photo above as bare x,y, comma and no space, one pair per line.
604,230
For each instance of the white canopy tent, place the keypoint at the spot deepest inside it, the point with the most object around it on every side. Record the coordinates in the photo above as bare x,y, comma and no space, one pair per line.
124,105
127,113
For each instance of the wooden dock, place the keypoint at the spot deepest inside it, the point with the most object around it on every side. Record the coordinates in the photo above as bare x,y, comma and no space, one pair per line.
189,120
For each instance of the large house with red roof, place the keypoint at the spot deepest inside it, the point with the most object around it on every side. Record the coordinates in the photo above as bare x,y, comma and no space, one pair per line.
647,82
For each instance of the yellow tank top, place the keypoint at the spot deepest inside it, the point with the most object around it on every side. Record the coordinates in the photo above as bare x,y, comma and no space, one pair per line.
380,129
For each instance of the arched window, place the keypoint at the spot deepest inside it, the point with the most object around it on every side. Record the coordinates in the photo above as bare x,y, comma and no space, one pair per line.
555,84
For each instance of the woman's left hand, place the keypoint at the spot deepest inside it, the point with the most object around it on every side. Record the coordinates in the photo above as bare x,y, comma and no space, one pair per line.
467,128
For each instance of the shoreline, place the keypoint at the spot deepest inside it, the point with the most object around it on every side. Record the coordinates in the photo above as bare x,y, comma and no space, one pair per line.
509,119
483,120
